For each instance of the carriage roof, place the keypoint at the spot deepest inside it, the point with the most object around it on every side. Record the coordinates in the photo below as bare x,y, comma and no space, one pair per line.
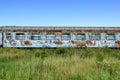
59,28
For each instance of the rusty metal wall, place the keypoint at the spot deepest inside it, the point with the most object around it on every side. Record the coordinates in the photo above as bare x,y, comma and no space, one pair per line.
106,39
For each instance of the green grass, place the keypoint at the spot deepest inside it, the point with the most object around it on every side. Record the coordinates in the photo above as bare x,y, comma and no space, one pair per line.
59,64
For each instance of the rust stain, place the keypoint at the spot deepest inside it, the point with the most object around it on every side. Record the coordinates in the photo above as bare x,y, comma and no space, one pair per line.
11,41
94,43
73,42
81,44
22,42
117,44
89,42
5,41
27,43
81,31
58,42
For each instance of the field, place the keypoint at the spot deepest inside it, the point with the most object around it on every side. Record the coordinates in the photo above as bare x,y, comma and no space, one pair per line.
60,64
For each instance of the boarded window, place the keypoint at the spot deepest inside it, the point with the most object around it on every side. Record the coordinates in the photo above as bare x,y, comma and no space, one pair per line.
66,36
8,36
111,37
80,36
96,37
20,36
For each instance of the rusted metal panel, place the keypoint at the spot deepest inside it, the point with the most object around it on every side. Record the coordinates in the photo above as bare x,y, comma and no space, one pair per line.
58,36
58,42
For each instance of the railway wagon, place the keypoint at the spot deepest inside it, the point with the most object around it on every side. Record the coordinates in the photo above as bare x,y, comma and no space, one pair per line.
59,36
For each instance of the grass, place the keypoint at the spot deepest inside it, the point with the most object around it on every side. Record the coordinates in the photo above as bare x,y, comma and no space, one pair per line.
59,64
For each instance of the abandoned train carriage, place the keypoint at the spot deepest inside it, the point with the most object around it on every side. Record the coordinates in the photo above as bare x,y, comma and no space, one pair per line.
32,36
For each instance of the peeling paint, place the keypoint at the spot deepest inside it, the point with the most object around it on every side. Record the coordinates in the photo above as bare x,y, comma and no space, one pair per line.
60,37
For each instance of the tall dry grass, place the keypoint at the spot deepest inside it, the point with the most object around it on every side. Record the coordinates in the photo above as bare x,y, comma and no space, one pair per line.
59,64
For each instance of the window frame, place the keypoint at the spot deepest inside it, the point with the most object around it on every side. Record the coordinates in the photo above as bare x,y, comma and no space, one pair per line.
20,35
95,35
66,35
83,37
53,37
35,36
111,35
9,35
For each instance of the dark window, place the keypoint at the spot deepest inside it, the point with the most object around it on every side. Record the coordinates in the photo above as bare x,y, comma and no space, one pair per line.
35,36
111,37
66,36
96,37
80,36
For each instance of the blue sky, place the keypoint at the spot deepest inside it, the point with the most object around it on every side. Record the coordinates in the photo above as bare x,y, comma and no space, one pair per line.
60,12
